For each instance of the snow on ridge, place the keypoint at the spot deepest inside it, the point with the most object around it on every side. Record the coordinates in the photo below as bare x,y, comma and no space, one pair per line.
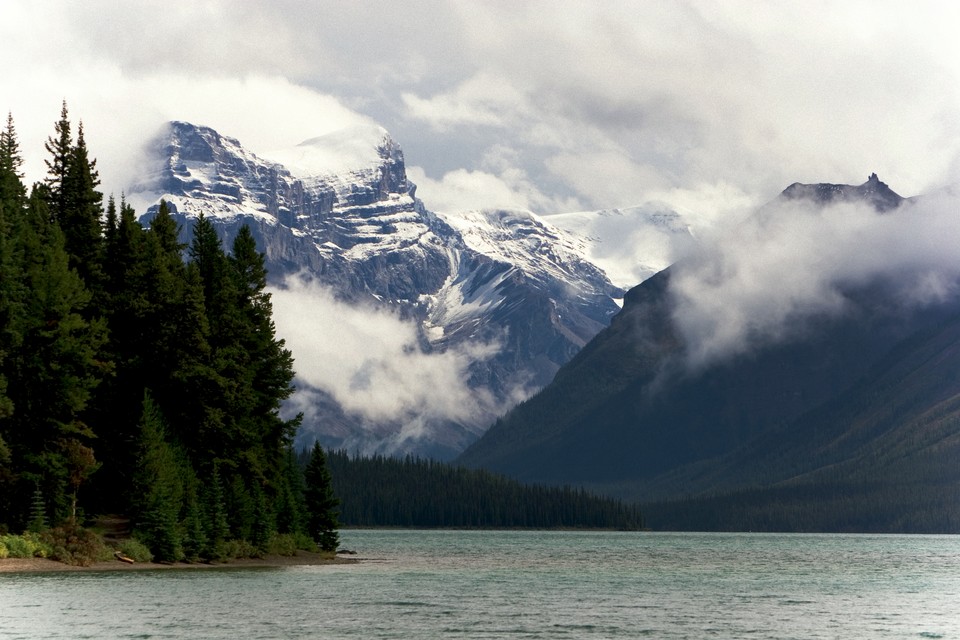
522,239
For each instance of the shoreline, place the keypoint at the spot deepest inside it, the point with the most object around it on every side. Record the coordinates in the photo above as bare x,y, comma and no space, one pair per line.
44,565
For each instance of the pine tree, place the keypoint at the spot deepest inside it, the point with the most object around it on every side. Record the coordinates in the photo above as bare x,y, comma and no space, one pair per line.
193,525
321,502
38,511
265,367
218,529
158,486
54,368
80,217
263,524
12,201
59,146
12,192
290,507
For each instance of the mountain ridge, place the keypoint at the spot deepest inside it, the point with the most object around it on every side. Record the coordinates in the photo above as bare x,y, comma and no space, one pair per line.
507,279
632,417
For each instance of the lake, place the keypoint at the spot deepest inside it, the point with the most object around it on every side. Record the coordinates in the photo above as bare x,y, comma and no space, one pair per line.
521,584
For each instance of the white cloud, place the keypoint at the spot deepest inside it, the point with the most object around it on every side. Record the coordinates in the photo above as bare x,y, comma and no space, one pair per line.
371,361
462,190
602,103
761,281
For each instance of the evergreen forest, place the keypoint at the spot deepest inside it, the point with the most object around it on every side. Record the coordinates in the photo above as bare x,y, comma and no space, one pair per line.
139,376
414,492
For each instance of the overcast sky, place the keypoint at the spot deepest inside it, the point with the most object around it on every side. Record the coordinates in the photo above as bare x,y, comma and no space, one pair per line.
552,106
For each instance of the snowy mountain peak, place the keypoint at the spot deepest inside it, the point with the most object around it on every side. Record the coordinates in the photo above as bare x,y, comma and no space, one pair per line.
504,296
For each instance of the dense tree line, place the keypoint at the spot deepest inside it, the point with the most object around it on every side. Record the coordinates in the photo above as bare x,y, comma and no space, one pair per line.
415,492
136,379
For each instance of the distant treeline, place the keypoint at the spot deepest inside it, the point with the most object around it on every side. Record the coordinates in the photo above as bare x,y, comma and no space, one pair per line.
414,492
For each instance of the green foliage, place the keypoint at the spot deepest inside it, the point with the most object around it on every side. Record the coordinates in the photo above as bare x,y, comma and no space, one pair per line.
194,539
132,380
74,545
413,492
239,549
282,544
218,529
287,544
28,545
158,487
38,516
135,550
321,501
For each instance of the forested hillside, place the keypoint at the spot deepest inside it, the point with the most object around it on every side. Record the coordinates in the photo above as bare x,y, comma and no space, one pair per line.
133,380
414,492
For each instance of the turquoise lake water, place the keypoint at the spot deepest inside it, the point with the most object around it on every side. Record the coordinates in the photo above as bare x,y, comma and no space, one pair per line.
496,584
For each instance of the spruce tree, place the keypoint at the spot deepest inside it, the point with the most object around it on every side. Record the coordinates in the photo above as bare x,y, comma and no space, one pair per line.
321,502
59,146
268,375
80,217
194,528
158,486
54,367
263,524
12,191
12,201
290,507
218,529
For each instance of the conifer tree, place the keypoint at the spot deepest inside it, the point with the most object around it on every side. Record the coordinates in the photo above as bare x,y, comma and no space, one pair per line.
80,217
54,368
158,487
38,511
218,529
263,524
12,200
59,146
321,502
194,539
267,379
290,507
12,191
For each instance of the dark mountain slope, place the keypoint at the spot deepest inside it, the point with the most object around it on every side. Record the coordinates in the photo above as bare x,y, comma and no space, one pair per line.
880,457
838,401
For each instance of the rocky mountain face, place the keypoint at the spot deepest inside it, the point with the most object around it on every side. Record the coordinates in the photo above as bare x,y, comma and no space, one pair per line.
339,211
802,432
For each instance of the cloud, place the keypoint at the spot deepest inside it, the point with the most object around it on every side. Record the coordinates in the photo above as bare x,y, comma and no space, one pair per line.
463,190
763,280
605,105
634,97
374,365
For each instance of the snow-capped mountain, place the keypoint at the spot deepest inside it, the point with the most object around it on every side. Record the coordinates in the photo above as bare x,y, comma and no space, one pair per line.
507,294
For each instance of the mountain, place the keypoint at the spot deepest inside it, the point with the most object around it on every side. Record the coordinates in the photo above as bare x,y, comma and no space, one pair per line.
844,414
505,296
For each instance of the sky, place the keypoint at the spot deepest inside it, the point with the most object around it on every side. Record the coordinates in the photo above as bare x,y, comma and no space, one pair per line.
553,106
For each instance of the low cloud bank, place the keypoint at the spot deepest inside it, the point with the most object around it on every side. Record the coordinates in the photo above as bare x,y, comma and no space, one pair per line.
762,281
374,364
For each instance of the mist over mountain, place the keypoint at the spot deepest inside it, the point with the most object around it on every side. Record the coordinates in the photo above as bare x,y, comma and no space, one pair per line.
799,356
412,330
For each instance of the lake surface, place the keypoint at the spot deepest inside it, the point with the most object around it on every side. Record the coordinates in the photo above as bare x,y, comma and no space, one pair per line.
511,584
